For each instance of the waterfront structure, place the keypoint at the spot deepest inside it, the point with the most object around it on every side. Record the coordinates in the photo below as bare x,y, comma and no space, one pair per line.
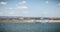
29,19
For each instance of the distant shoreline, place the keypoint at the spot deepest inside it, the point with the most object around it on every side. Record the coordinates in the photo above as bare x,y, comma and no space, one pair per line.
33,19
28,20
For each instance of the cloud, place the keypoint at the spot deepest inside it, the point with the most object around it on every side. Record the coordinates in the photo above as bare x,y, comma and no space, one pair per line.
10,8
18,7
22,7
23,2
58,4
3,3
47,2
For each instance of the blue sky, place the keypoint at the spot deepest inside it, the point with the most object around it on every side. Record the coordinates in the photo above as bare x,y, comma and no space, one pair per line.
30,8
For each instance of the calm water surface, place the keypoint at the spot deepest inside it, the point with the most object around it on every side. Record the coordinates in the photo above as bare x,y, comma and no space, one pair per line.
29,27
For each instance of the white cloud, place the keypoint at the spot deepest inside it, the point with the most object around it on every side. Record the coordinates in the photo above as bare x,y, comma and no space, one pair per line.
23,2
47,2
3,3
22,7
10,8
58,4
18,7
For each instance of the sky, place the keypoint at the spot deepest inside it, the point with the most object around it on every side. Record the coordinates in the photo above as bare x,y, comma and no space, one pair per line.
30,8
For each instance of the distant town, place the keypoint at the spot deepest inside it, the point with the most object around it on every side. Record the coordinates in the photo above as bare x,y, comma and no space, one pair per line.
28,19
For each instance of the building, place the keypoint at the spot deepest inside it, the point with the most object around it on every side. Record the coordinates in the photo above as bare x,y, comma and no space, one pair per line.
30,19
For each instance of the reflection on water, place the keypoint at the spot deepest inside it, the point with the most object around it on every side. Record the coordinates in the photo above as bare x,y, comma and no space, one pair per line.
29,27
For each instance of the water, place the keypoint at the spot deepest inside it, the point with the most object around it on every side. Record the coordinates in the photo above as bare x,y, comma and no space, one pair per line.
29,27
